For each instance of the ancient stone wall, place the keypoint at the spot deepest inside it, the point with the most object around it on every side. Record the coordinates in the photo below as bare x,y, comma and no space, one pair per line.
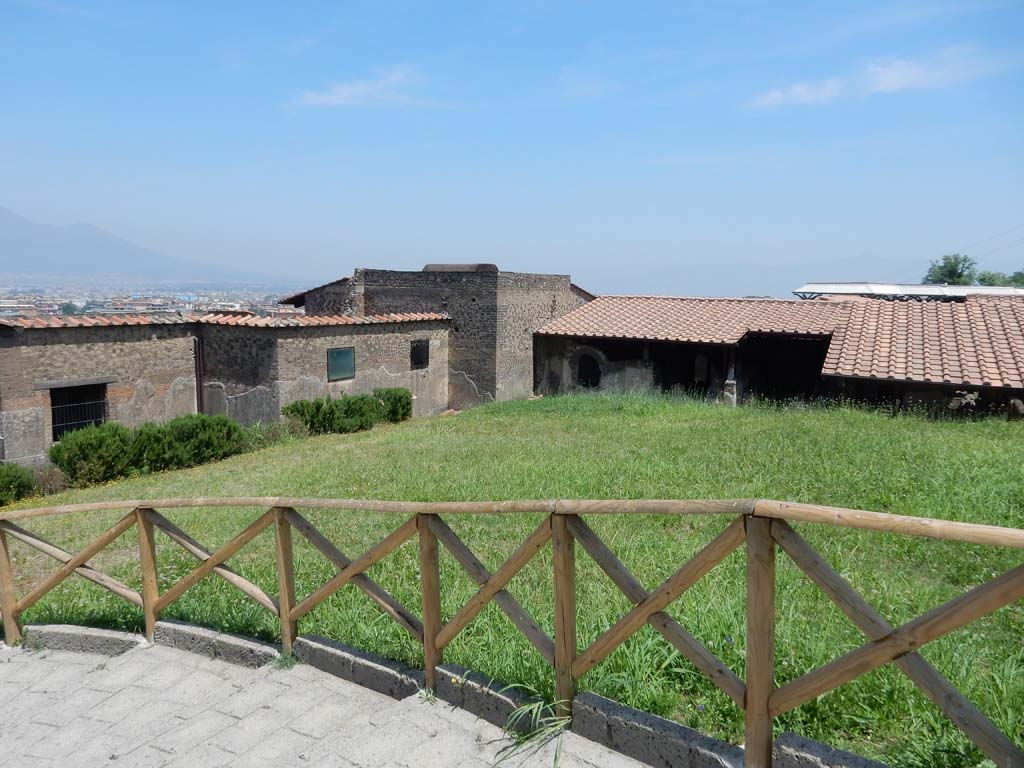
252,373
469,298
342,297
525,303
382,359
148,371
240,372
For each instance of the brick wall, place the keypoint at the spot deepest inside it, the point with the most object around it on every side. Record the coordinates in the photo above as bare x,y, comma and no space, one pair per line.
149,372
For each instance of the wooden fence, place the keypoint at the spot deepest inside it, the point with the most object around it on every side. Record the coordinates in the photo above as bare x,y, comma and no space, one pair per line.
763,525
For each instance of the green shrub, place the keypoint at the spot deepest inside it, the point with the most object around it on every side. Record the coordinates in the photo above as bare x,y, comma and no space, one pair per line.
317,415
15,483
94,454
201,438
98,454
363,410
351,413
154,449
396,402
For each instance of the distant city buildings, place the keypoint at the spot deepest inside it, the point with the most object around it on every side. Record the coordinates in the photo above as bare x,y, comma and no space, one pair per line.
29,304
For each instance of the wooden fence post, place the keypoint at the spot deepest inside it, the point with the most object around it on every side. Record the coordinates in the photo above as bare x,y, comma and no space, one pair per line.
8,597
563,548
147,565
760,642
285,578
430,584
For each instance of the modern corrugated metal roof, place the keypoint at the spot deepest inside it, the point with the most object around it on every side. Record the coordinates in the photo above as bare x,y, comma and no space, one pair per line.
904,289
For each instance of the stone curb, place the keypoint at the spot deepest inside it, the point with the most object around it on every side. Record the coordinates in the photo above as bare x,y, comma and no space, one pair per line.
233,649
792,751
484,697
67,637
366,669
648,738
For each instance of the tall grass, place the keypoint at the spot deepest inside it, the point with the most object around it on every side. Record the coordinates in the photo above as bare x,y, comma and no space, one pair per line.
629,447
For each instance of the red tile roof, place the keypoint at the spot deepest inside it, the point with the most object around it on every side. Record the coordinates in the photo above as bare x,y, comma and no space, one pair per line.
215,318
93,321
978,342
699,320
305,321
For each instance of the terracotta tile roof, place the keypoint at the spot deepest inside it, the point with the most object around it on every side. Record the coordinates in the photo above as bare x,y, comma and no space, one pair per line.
93,321
215,318
977,342
699,320
305,321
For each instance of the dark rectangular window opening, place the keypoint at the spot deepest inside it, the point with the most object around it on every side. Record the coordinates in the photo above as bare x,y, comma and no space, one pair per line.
73,408
341,363
419,354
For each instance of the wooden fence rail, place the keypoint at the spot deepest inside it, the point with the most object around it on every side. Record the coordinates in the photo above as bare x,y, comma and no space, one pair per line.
763,526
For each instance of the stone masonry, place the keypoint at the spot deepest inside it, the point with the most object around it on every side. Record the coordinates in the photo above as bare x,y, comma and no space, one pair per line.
252,373
493,313
148,370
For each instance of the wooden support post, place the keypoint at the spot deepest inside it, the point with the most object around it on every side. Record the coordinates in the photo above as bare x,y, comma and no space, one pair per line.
8,597
285,578
147,564
760,642
430,584
563,547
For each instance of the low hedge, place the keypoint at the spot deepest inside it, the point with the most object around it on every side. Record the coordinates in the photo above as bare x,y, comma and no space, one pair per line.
94,454
16,482
109,451
351,413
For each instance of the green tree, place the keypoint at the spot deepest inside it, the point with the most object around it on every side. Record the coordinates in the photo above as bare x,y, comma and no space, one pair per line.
952,269
987,277
1017,279
68,308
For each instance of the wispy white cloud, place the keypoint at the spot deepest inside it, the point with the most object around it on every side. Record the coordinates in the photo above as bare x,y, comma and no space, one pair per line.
812,92
945,69
391,88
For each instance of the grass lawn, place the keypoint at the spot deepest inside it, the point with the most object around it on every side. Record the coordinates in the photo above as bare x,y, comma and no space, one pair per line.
626,447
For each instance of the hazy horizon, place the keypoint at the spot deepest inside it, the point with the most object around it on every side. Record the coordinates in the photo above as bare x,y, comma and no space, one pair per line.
685,150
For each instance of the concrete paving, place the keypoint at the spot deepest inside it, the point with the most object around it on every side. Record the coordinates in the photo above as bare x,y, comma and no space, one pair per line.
158,706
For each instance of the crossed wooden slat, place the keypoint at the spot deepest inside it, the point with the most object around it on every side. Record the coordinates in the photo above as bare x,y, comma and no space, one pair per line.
384,600
898,645
673,631
656,601
72,563
492,586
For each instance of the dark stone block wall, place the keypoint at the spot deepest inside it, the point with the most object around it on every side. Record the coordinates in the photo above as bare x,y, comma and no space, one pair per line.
469,298
525,303
342,297
494,315
149,371
252,373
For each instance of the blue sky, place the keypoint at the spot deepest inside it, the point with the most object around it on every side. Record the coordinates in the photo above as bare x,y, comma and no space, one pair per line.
705,148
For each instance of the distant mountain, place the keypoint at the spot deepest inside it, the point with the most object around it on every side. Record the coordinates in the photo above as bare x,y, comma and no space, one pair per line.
39,254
